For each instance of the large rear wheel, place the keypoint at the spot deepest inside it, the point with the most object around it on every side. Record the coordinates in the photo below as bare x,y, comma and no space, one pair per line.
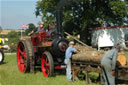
47,64
1,56
23,57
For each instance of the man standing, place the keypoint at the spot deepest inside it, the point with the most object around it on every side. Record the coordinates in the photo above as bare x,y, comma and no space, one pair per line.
68,55
108,65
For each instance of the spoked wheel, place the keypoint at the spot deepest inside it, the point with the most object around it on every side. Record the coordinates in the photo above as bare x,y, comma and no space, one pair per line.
22,57
1,56
47,64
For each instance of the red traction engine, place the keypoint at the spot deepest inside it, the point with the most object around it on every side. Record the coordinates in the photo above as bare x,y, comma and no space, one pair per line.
45,49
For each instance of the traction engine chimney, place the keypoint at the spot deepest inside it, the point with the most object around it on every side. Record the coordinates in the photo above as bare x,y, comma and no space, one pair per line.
59,23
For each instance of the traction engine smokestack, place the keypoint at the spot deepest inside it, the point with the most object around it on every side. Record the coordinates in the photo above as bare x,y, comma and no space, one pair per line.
59,23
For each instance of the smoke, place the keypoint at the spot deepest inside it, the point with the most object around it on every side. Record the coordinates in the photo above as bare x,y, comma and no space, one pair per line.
63,3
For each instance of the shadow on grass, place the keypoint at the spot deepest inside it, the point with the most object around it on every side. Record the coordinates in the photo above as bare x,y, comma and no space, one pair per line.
60,72
56,72
3,63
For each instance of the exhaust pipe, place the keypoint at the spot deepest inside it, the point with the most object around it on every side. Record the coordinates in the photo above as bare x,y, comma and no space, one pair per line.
59,23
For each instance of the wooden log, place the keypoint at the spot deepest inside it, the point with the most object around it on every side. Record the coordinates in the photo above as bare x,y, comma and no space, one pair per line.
121,60
95,57
83,48
88,56
77,40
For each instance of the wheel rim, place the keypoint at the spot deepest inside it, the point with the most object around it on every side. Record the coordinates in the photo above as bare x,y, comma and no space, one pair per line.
45,65
1,56
21,57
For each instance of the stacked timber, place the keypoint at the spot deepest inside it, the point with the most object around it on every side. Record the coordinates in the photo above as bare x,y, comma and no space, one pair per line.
84,48
92,56
88,55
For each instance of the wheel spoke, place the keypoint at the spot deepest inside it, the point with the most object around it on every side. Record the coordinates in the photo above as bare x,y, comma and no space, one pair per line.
20,51
47,65
21,57
46,59
43,61
44,70
21,62
47,71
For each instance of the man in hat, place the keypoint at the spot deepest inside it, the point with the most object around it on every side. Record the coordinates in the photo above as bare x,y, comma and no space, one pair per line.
108,65
37,29
41,28
68,55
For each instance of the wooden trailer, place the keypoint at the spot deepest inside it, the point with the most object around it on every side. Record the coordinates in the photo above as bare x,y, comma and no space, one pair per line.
121,72
89,60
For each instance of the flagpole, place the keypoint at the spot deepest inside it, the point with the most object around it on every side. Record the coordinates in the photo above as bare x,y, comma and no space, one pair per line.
21,30
21,33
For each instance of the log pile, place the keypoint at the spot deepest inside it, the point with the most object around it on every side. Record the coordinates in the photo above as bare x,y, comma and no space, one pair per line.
122,61
84,48
93,57
90,55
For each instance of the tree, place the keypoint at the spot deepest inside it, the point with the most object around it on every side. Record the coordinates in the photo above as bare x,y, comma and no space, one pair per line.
31,26
80,15
0,29
13,39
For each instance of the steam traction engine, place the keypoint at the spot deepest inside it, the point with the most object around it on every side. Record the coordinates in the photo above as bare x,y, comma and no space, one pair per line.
45,48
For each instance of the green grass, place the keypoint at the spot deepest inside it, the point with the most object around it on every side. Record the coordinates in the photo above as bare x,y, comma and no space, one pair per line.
10,75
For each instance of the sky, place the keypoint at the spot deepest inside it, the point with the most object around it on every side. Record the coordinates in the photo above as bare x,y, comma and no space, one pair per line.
14,13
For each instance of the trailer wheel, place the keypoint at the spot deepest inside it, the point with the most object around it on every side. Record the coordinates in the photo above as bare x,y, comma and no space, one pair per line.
47,64
1,56
23,57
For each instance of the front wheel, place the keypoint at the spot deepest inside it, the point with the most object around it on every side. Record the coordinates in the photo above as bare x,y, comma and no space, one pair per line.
1,56
47,64
23,57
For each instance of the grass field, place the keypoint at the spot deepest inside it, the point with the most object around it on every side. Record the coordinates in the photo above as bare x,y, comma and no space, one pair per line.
9,75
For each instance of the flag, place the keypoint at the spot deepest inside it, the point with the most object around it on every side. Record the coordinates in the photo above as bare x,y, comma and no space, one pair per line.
24,26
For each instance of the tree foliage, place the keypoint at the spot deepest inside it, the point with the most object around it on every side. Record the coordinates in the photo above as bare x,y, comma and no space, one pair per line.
81,14
13,39
0,29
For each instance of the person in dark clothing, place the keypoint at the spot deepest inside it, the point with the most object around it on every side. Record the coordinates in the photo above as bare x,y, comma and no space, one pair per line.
108,65
37,29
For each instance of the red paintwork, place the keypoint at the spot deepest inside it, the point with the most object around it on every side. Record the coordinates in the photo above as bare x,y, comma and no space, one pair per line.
112,27
20,61
59,67
45,65
75,73
39,37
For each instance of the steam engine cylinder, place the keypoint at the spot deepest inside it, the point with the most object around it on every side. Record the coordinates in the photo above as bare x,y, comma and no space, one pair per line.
59,46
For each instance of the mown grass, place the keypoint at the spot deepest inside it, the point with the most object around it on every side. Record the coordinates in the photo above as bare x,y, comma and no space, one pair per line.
10,75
